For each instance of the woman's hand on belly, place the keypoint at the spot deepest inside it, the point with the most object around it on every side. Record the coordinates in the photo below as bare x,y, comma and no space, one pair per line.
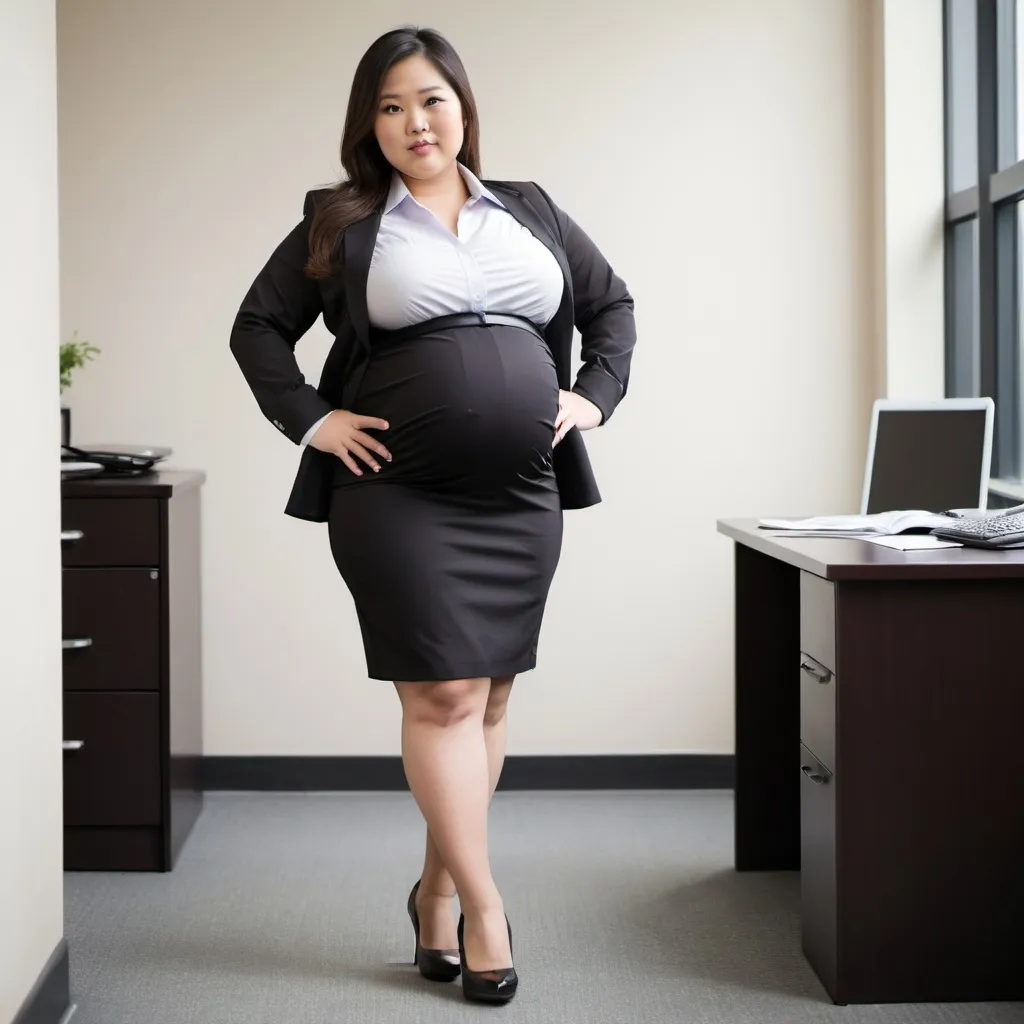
574,411
343,434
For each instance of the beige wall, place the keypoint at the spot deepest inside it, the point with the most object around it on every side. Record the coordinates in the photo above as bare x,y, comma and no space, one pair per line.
910,183
31,848
720,151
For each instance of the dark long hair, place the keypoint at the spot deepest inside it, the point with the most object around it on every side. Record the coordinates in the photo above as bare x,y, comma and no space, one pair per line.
367,169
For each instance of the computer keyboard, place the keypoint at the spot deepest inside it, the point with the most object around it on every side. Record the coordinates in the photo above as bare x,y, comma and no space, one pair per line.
993,531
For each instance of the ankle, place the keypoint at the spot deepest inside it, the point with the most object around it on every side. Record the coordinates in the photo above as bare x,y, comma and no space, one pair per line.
489,905
430,890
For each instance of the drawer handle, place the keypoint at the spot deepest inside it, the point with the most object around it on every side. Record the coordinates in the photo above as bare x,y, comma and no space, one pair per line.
816,777
70,535
816,671
72,744
76,643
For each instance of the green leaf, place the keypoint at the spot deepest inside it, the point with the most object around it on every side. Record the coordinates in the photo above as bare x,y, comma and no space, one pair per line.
74,354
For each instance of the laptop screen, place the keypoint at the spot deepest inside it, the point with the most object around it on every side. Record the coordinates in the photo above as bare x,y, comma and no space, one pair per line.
930,459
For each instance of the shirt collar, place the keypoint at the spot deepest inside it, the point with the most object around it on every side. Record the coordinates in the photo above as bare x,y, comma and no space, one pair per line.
400,193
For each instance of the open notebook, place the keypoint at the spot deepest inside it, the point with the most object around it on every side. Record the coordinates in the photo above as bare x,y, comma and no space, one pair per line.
878,524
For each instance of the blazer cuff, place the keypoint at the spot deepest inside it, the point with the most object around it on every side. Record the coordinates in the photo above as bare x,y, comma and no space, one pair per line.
308,435
600,387
305,408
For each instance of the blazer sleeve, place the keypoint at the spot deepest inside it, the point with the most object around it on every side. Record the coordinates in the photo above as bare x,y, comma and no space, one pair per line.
603,313
279,308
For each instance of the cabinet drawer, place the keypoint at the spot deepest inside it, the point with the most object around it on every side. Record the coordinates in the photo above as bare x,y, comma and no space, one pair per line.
818,895
111,629
818,692
818,619
113,778
110,531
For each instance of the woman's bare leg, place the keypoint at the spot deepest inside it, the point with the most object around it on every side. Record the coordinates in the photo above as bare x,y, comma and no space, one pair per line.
434,896
446,765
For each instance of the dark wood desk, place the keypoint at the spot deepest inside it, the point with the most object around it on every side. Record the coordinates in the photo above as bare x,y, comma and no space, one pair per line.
899,679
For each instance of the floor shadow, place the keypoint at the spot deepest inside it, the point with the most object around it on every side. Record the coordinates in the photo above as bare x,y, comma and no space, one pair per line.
735,928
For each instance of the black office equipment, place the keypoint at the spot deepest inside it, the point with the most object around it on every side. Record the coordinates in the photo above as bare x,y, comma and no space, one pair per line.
996,530
115,459
929,455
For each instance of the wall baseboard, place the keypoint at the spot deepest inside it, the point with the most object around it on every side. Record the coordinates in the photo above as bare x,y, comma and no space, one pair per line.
50,997
522,772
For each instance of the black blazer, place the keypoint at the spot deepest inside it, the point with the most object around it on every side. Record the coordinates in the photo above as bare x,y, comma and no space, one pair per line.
283,303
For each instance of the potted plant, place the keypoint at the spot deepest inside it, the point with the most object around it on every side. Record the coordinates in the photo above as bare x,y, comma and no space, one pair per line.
73,354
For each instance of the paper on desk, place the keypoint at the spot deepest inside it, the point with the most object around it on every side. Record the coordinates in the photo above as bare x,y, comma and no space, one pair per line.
913,542
834,534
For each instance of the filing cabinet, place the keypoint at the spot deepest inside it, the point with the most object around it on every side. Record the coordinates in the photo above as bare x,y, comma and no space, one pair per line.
132,672
818,776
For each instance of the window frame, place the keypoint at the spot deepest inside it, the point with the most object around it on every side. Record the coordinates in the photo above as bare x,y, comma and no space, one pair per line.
993,203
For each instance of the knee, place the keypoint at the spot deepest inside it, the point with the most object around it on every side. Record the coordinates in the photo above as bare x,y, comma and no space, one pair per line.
446,703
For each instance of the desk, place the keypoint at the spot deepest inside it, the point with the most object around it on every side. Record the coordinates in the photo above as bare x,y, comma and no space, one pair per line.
880,751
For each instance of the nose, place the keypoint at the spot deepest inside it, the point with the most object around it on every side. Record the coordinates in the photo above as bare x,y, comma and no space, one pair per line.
418,122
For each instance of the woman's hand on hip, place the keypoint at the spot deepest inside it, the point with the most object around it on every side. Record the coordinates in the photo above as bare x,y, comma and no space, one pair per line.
574,411
343,434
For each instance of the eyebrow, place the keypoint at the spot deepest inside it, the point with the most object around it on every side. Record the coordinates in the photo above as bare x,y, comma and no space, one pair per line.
396,96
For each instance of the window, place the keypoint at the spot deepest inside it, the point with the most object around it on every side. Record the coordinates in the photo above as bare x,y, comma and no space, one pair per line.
984,48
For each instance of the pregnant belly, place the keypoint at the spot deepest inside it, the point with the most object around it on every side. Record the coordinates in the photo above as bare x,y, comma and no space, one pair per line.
471,406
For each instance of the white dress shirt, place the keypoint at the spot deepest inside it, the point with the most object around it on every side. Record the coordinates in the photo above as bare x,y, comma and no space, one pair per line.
420,270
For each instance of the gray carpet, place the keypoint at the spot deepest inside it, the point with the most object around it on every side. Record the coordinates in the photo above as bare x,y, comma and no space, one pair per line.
286,909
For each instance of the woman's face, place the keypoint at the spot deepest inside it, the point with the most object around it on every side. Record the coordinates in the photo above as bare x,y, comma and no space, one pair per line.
419,119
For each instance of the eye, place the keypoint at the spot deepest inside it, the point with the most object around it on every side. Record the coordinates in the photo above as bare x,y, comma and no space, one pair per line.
434,99
389,108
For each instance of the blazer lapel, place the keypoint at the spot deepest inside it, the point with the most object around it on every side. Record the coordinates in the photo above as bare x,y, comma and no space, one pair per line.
359,240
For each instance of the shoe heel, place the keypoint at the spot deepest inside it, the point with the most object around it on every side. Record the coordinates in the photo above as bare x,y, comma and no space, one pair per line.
480,989
433,964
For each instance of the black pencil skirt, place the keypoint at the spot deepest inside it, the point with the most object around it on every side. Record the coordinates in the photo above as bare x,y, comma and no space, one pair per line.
449,551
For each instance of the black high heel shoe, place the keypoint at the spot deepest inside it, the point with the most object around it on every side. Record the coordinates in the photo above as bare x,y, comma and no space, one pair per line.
480,989
434,964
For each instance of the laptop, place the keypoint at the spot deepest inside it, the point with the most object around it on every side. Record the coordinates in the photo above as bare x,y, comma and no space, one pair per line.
928,455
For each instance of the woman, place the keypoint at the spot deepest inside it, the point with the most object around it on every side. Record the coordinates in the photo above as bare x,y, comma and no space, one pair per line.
442,443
